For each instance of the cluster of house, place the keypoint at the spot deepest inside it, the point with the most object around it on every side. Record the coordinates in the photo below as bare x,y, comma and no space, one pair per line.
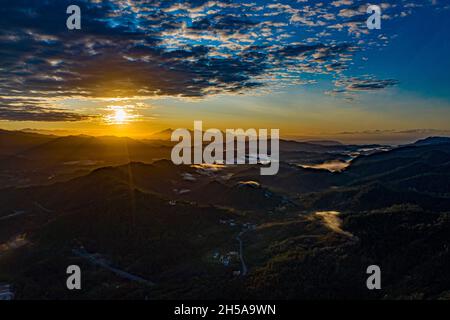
6,292
232,255
181,191
249,226
230,222
226,259
233,223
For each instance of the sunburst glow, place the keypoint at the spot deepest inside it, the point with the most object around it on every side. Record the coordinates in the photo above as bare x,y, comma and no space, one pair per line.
119,115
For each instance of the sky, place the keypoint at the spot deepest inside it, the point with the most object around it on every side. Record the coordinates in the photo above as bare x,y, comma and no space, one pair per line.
309,68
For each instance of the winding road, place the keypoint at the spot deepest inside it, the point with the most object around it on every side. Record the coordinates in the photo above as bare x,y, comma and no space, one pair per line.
81,252
244,268
40,206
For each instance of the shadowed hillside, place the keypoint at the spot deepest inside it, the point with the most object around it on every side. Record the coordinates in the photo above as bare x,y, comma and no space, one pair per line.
158,230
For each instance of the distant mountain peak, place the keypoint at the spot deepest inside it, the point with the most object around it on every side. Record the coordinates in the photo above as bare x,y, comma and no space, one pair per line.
432,140
168,130
325,142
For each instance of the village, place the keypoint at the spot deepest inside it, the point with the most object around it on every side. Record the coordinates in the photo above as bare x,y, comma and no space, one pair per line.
234,259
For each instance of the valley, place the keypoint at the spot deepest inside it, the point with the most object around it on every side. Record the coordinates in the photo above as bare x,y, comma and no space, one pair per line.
224,231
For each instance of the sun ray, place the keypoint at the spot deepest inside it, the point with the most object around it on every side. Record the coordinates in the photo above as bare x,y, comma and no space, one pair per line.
119,115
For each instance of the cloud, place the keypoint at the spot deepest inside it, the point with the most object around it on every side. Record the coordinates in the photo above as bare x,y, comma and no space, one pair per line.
114,55
364,84
357,84
349,87
34,110
394,131
192,49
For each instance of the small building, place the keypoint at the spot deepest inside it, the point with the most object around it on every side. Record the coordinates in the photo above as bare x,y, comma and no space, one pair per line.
225,261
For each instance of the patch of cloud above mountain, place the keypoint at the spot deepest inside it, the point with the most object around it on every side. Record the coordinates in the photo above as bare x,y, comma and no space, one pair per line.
424,131
28,109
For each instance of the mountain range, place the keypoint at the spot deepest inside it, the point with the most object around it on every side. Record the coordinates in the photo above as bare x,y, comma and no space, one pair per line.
120,204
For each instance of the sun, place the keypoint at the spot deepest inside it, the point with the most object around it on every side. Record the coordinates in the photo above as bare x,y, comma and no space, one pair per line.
120,116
